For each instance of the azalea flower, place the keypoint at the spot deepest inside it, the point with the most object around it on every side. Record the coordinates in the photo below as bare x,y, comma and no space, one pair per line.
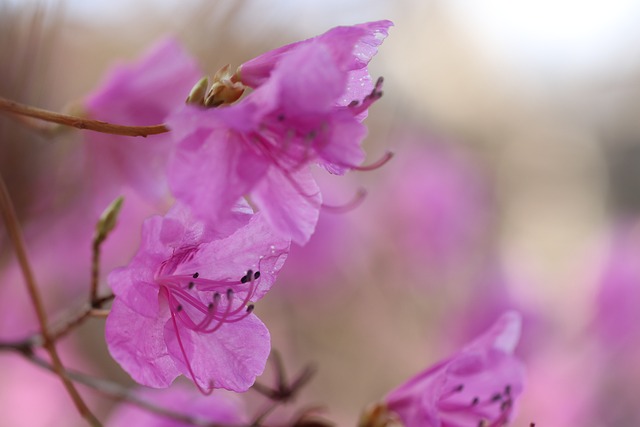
478,386
141,93
307,106
219,408
184,303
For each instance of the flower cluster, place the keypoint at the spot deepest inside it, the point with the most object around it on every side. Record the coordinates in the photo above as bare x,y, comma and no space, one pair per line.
184,304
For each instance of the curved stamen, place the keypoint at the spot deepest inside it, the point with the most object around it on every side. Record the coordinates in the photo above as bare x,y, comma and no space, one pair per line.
356,201
206,392
375,165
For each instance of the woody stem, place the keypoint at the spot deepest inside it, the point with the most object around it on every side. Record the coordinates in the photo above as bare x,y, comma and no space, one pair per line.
12,107
14,232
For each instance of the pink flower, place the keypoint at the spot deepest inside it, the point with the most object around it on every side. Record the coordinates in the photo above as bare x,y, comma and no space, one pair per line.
184,303
305,108
478,386
138,94
219,408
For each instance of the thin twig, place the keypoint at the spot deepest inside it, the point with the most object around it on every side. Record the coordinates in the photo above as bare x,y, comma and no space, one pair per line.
78,122
17,240
120,393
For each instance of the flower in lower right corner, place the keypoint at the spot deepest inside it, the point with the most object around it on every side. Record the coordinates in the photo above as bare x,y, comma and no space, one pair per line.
476,387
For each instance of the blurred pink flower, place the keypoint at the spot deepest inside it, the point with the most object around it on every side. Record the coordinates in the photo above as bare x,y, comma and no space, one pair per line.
183,303
219,408
477,386
618,300
139,94
298,114
436,205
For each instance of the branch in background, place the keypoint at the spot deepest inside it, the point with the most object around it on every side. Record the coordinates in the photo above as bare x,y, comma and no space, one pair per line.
14,233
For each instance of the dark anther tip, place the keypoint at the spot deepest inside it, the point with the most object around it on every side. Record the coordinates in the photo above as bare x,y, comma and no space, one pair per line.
195,275
256,275
250,308
191,285
244,279
179,308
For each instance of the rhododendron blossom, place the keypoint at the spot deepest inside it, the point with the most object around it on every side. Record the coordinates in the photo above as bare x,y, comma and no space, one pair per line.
184,303
477,386
307,106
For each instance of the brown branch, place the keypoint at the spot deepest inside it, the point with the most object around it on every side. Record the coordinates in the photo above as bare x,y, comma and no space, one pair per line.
120,393
13,107
17,240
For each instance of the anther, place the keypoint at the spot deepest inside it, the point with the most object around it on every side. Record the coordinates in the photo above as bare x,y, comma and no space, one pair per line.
210,306
195,275
216,297
475,401
229,293
191,285
496,397
507,390
459,388
256,275
247,277
250,308
179,308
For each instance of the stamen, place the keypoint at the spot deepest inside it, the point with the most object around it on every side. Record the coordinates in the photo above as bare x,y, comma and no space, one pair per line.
179,308
375,165
191,285
496,397
195,275
507,390
356,201
475,401
186,359
256,275
250,308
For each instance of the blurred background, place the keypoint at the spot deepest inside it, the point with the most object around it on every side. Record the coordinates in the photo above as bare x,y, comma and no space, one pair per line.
515,186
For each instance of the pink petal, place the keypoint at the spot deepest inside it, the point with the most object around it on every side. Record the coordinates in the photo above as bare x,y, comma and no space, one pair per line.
290,201
136,342
230,358
254,246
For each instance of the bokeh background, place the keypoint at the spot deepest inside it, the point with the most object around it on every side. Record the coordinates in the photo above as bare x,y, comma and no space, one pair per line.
515,186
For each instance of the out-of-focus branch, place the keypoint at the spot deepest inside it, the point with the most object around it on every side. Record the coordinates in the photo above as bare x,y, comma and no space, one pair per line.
13,107
17,240
120,393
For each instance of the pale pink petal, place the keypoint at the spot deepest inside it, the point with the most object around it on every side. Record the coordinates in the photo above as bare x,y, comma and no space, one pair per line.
137,343
238,351
290,201
254,247
138,94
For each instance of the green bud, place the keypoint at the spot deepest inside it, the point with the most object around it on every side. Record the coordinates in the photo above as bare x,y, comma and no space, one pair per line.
107,221
198,92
